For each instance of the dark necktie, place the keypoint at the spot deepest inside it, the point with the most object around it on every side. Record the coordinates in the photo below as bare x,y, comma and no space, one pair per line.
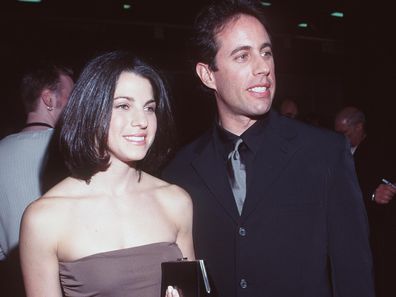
237,175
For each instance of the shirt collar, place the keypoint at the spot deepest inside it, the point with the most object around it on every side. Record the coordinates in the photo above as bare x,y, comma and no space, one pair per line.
251,137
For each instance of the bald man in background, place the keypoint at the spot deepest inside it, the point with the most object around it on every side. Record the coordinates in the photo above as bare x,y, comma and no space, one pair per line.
368,153
289,108
375,164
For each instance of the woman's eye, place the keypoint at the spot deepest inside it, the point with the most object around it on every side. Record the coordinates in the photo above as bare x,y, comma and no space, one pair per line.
122,106
150,108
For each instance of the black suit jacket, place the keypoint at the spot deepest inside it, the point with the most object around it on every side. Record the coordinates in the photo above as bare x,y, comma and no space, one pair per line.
371,165
303,216
374,160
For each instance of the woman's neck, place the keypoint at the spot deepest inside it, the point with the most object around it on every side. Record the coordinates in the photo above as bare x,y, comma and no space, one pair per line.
117,179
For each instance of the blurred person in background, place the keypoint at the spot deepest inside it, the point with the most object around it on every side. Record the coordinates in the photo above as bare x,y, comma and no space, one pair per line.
44,90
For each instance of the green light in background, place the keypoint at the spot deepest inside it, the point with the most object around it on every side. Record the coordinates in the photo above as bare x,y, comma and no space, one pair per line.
302,25
264,3
30,1
126,6
337,14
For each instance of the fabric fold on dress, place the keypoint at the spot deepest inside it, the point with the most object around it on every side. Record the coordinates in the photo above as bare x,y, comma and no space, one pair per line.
134,271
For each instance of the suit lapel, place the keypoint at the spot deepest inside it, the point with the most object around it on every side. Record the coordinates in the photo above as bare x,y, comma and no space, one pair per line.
213,173
278,144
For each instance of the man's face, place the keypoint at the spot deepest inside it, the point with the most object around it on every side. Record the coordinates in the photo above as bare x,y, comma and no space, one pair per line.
63,93
244,83
352,132
289,109
66,86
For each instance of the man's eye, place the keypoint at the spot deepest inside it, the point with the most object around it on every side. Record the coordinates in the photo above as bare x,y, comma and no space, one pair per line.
266,53
242,57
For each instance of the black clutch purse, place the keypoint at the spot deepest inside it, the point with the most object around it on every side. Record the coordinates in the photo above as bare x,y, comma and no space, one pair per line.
188,277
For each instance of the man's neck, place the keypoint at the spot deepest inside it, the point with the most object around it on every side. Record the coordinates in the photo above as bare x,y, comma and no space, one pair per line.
354,148
37,122
236,125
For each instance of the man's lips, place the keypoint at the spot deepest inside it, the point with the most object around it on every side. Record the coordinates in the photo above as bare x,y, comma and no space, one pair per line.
259,90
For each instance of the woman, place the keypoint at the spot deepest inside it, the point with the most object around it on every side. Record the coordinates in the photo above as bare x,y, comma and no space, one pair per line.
104,230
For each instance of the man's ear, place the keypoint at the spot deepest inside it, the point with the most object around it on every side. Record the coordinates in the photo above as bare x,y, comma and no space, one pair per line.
362,129
206,75
359,126
47,98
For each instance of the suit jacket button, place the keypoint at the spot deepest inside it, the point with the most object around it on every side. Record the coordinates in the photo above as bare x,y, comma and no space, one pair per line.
242,231
243,283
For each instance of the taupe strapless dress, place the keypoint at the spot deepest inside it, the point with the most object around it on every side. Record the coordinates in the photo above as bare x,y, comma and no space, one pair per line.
127,272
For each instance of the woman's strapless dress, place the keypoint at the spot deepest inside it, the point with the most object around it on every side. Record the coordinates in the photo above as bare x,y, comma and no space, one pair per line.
127,272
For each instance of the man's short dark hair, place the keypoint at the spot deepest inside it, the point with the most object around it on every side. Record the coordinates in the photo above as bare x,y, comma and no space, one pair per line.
86,118
211,21
44,75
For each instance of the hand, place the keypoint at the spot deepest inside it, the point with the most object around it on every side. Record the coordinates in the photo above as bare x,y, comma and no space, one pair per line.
384,194
172,292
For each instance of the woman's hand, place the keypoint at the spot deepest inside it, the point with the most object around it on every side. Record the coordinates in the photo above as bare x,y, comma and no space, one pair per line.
172,292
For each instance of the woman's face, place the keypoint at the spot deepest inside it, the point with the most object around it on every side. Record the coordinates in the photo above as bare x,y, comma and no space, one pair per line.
133,122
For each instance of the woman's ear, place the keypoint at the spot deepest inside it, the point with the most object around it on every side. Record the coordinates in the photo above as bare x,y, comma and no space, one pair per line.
206,75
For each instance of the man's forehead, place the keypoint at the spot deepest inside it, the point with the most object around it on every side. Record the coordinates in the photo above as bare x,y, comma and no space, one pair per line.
344,121
235,22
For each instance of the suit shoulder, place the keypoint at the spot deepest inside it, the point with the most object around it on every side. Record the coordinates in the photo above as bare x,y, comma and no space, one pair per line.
185,156
318,136
190,150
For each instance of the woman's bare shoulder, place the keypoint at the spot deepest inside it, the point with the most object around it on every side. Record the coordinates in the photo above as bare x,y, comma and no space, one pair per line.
68,187
53,205
164,189
176,204
172,197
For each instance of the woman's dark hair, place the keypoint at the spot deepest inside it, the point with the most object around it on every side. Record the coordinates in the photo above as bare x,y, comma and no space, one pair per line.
86,118
211,21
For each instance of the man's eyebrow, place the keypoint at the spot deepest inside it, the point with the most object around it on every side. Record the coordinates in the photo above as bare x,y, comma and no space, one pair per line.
248,47
266,44
240,48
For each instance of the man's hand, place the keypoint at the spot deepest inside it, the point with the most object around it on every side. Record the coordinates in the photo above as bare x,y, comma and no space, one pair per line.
384,194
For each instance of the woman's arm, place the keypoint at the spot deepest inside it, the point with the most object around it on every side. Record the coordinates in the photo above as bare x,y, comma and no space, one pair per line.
183,219
38,251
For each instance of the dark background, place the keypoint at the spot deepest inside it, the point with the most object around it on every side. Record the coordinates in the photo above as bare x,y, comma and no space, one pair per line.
331,63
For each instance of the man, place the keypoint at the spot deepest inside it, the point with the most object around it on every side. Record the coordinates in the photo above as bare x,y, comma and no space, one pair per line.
44,93
300,217
289,108
370,168
373,163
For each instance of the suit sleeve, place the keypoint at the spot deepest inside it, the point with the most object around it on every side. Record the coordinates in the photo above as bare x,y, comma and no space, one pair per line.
348,232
